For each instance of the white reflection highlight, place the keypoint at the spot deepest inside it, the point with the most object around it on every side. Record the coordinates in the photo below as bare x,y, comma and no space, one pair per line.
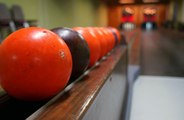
38,35
14,57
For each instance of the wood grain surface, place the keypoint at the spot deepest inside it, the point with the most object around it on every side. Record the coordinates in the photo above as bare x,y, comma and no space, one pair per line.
74,101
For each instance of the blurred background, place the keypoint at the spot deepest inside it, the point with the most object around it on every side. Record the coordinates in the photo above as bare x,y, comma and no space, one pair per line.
70,13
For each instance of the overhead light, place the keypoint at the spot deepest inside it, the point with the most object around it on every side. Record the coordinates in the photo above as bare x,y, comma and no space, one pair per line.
126,1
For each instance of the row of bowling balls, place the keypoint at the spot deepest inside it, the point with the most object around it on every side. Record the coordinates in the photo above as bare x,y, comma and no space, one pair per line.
37,63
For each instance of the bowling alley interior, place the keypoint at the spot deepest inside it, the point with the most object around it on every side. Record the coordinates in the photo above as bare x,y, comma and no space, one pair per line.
91,59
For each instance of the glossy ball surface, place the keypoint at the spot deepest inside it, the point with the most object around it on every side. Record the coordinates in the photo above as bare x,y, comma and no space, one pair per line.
35,64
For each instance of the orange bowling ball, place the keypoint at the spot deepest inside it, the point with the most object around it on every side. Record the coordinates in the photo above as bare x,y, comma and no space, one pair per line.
35,63
93,43
102,41
111,38
107,38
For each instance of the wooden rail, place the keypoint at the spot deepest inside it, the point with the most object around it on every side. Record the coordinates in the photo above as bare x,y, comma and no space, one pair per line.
78,97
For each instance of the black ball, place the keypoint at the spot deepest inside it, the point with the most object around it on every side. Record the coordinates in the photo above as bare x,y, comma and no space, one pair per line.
78,48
